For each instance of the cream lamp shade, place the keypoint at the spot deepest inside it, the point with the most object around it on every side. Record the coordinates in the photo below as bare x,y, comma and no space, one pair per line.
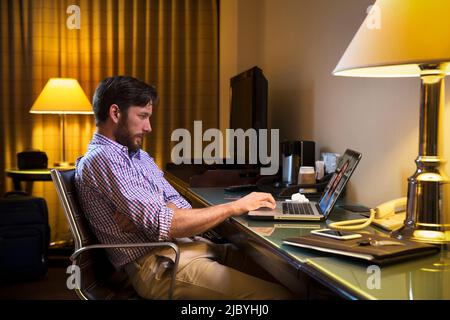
408,33
62,96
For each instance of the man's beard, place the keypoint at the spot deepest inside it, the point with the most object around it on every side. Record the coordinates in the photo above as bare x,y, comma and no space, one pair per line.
124,137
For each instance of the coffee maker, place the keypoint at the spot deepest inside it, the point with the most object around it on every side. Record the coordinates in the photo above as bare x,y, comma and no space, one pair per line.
290,162
295,154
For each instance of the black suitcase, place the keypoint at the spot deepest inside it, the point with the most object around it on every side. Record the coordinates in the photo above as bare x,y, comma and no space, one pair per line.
24,237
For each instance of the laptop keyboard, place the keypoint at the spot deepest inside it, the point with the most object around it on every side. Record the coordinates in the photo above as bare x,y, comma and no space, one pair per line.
297,208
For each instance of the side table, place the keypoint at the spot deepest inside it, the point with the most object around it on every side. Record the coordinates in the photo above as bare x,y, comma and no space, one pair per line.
19,175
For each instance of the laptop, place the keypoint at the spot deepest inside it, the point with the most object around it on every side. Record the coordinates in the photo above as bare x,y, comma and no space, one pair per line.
314,211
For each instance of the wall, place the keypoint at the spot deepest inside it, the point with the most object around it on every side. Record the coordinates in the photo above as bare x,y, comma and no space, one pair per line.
298,43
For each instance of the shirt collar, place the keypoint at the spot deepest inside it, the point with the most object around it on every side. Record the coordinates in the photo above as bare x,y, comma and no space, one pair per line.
99,139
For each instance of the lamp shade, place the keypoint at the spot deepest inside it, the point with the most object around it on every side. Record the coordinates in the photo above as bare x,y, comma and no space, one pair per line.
408,33
62,96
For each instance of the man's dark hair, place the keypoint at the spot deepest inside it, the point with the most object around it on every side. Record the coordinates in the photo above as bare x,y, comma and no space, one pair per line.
125,92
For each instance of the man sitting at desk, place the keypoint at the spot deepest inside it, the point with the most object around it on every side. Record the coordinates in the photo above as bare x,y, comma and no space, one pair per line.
126,199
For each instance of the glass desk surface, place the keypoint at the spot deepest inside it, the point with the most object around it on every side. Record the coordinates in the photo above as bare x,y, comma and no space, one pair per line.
424,278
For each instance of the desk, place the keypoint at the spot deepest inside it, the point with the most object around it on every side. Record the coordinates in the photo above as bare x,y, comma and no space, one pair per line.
425,278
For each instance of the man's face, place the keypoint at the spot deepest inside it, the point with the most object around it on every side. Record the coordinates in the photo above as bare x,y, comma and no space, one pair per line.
133,125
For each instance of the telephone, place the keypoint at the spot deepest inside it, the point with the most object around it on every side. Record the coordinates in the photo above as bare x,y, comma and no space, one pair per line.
389,215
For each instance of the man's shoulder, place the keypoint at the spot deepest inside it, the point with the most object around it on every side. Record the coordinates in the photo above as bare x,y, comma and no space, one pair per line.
149,161
145,156
100,155
98,159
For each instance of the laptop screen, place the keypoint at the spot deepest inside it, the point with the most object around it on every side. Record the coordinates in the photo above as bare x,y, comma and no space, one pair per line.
344,169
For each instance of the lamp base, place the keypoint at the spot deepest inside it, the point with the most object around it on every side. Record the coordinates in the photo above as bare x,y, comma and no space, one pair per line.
63,164
428,210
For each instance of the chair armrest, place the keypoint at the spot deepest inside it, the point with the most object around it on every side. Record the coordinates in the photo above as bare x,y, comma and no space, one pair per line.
127,245
137,245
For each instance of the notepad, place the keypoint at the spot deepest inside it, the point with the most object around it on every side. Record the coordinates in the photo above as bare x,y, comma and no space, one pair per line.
370,247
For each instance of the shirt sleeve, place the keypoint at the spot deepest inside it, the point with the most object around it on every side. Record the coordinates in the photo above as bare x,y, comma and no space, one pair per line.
170,194
113,177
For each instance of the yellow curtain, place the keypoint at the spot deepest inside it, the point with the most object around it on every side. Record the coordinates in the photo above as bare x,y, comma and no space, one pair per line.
172,44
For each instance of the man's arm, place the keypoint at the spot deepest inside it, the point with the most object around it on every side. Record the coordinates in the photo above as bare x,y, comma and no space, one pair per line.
190,222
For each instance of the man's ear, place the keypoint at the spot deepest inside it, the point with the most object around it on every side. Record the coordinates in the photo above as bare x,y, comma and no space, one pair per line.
114,113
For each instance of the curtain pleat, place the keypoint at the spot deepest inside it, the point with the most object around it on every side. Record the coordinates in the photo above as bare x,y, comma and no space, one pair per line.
172,44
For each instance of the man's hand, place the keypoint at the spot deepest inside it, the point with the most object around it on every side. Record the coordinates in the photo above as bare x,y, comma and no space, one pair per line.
190,222
253,201
124,223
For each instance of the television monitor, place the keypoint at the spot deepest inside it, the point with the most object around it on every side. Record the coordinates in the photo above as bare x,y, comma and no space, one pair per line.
248,100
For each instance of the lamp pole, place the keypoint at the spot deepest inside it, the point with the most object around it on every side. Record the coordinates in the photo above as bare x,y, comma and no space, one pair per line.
428,211
62,122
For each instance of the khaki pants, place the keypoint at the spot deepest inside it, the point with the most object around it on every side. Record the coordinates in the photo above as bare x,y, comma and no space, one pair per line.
206,271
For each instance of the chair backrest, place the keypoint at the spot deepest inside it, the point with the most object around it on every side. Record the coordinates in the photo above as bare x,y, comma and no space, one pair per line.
99,280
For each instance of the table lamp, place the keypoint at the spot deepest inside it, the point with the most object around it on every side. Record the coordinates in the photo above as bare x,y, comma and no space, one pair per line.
62,96
411,40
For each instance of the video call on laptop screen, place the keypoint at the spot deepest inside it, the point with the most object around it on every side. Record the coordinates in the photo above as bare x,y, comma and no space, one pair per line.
346,166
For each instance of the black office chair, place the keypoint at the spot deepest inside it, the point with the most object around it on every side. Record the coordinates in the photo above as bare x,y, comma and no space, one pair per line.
99,279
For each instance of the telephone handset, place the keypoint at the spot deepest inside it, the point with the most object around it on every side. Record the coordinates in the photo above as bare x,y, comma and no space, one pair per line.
389,215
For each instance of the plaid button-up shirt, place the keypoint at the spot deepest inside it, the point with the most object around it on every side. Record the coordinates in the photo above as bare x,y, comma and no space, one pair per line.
109,180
